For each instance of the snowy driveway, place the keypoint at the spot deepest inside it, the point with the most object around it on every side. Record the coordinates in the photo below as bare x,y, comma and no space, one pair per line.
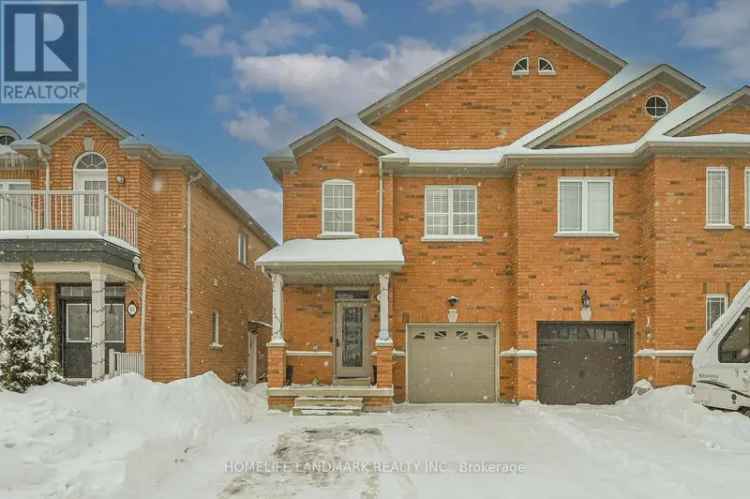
656,445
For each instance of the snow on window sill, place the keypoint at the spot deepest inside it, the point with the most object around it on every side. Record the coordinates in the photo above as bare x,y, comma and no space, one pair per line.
718,227
452,239
520,73
587,234
547,73
216,346
338,235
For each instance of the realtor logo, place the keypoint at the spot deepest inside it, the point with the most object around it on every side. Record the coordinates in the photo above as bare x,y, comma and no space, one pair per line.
43,51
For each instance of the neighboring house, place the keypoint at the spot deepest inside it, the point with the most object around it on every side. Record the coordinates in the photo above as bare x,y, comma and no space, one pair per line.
532,218
116,228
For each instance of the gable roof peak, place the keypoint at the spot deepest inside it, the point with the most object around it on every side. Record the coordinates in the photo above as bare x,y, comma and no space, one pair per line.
535,20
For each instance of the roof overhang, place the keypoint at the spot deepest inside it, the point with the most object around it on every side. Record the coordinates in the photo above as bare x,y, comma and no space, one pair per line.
662,74
535,21
740,97
334,261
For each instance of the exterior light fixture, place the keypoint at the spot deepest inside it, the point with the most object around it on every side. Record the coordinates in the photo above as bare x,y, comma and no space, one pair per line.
585,306
120,179
452,312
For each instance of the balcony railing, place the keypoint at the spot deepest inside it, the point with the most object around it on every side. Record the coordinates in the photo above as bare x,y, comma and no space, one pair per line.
90,211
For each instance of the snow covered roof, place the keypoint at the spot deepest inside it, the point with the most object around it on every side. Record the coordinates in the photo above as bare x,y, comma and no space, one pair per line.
356,254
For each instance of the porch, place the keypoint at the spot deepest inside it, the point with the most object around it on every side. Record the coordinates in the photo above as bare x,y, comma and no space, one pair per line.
331,344
66,215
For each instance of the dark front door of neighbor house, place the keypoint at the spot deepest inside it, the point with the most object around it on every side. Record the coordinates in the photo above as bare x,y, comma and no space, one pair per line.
352,350
584,362
75,327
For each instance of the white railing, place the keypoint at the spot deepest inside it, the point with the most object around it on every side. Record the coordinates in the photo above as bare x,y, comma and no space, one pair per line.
125,362
69,210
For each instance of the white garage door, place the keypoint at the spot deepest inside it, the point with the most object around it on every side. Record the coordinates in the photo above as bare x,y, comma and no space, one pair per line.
451,363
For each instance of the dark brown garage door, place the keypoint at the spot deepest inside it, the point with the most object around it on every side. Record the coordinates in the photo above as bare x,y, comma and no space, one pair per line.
584,362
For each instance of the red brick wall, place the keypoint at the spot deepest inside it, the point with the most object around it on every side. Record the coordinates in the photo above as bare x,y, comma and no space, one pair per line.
735,119
485,106
335,159
625,123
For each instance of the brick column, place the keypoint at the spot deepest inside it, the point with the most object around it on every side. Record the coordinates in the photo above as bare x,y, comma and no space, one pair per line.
384,359
276,367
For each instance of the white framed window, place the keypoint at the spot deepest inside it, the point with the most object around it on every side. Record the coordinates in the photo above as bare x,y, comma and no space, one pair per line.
747,197
215,329
545,67
585,206
521,66
657,106
242,248
338,207
716,305
717,197
450,212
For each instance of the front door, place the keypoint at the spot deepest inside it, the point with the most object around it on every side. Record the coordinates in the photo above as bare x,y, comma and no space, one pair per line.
352,347
87,202
77,348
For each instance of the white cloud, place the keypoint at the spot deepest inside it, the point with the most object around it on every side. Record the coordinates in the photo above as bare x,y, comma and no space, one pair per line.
210,42
200,7
723,27
265,205
333,85
268,132
550,6
348,10
275,31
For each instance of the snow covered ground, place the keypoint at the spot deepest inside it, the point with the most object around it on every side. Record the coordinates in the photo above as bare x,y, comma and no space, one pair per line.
199,439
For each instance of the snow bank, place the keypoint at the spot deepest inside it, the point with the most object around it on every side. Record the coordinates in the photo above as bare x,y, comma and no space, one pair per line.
673,407
93,441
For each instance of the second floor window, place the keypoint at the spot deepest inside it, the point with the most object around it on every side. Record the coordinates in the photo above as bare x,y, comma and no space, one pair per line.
717,196
451,212
338,207
215,325
585,205
242,248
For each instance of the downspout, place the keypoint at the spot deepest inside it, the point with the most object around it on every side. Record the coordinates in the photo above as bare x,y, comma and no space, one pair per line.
139,272
380,200
188,280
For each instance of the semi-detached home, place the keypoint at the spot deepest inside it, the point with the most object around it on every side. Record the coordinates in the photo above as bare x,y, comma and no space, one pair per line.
532,218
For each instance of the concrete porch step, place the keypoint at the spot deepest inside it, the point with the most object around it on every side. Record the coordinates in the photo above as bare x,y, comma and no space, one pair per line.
304,402
327,406
351,382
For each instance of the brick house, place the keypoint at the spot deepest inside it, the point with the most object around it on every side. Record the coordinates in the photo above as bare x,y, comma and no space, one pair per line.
139,250
532,218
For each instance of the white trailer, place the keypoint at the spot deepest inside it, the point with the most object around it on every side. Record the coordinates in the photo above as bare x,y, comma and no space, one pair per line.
721,364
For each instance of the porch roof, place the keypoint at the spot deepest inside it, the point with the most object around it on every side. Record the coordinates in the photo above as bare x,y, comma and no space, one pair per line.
324,260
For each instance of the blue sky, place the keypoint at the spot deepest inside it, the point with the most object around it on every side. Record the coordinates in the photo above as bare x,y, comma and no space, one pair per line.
227,80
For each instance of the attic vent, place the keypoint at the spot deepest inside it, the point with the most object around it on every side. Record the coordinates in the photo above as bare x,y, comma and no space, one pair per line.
545,67
657,106
521,67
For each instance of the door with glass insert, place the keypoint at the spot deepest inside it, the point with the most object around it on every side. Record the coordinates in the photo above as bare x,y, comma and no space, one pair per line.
88,211
352,348
77,353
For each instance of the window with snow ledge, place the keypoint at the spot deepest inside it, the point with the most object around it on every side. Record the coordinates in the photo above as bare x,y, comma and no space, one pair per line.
338,208
521,67
545,67
717,198
450,213
585,207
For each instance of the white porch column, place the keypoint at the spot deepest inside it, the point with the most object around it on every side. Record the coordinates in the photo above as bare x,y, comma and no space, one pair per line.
277,337
384,336
7,290
97,325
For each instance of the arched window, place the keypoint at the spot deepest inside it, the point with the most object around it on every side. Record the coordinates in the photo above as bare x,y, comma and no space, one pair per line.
545,67
521,67
8,135
91,161
338,207
6,140
657,106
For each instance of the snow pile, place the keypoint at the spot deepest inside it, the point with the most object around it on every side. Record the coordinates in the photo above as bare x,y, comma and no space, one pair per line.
103,438
673,407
